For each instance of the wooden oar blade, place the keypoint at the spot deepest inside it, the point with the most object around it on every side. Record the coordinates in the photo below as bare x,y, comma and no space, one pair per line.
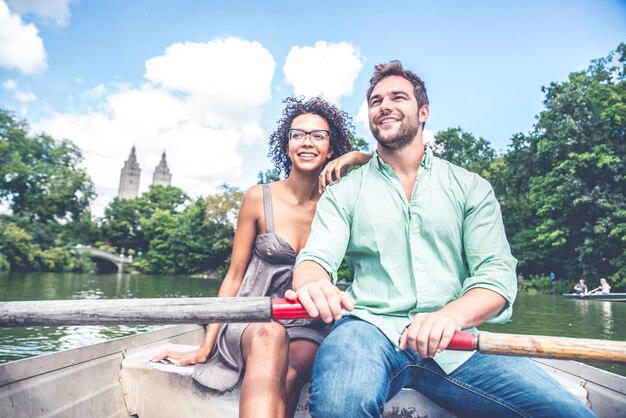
581,349
135,311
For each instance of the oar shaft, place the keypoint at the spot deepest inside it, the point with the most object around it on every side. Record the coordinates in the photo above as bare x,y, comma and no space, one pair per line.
582,349
135,311
263,309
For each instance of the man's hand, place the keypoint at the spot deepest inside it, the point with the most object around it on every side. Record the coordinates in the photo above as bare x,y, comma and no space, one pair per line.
429,333
322,299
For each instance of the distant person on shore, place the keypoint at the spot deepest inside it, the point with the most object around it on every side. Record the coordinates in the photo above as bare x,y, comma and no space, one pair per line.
604,288
311,146
580,288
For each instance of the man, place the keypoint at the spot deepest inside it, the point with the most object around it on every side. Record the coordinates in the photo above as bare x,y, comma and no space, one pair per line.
580,288
426,243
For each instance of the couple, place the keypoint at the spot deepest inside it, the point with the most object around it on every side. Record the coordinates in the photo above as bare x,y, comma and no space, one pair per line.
426,243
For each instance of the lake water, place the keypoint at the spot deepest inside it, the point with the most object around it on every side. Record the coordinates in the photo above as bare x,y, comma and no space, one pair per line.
533,314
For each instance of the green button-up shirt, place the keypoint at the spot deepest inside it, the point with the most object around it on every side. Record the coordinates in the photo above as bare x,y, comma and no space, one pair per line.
413,256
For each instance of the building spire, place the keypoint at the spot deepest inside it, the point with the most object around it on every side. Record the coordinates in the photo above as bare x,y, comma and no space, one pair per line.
162,175
129,177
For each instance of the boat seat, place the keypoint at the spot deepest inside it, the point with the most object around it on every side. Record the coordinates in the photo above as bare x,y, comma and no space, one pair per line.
163,390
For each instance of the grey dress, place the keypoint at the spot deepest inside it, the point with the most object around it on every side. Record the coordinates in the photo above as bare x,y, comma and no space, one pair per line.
269,274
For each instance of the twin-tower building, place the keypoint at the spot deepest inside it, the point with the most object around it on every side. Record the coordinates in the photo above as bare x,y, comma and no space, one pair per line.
129,178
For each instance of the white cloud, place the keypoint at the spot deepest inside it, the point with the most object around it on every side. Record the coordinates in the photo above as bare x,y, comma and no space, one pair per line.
429,137
21,96
362,116
56,12
20,44
198,113
10,85
327,69
225,78
25,97
96,92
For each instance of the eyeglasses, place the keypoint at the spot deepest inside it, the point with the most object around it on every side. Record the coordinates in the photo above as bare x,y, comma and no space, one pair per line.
298,135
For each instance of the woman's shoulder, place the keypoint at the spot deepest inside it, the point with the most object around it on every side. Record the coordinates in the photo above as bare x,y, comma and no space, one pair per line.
253,196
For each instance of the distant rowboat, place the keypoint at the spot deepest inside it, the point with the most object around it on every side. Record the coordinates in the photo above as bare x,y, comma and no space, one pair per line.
612,297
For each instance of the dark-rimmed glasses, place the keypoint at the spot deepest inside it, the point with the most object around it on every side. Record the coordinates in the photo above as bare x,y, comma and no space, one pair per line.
298,135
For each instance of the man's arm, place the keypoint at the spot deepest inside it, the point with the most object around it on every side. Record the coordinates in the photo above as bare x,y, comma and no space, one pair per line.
317,294
430,333
490,288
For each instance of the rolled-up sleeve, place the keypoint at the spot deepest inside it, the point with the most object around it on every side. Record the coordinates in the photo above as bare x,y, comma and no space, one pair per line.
330,232
491,265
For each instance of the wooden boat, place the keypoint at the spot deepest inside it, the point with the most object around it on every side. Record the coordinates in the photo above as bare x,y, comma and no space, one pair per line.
611,297
115,379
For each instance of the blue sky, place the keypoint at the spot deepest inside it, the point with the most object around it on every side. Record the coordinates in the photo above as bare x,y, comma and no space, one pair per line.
204,80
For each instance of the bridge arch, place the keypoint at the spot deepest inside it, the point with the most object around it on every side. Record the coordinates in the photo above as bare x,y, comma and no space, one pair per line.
105,261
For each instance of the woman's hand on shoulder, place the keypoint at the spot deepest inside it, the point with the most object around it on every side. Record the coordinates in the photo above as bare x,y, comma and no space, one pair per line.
339,166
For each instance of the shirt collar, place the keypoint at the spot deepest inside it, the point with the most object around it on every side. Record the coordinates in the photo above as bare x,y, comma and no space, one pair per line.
427,160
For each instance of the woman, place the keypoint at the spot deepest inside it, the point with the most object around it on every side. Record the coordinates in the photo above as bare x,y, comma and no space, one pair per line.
273,225
604,288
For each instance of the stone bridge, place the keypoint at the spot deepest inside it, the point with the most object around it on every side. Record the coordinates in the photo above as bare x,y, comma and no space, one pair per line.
105,261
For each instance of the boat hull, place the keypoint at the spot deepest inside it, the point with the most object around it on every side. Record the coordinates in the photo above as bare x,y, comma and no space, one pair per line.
114,379
610,297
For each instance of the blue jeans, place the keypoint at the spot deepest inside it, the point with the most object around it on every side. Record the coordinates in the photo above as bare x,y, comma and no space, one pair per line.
357,370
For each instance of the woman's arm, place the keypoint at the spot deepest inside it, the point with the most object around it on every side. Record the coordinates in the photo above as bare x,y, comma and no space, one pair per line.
245,234
335,168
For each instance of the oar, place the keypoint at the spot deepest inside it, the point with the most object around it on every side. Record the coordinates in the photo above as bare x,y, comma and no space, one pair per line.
147,311
263,309
583,349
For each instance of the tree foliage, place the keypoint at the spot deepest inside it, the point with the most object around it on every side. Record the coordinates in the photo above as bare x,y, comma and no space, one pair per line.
567,201
39,176
463,149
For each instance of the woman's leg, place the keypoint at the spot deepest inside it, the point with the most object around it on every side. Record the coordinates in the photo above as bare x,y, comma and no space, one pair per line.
301,356
265,351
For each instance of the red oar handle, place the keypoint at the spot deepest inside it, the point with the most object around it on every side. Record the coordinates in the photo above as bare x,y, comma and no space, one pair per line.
288,309
292,309
464,341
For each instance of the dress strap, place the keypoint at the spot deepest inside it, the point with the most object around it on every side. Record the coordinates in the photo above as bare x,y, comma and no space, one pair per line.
267,208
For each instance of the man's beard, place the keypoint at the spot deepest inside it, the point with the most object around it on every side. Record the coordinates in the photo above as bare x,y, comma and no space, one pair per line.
405,136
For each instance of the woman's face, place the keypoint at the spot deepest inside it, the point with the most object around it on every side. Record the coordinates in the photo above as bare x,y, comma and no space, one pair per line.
309,142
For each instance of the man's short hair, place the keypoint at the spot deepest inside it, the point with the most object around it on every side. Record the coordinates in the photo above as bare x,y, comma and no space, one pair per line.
395,68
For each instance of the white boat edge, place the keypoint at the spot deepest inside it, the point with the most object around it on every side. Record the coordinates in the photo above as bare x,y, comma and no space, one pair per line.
114,379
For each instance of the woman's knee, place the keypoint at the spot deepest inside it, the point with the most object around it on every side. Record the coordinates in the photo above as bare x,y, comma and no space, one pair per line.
267,339
268,332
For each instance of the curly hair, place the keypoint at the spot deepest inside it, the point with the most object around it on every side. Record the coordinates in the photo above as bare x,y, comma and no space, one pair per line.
338,120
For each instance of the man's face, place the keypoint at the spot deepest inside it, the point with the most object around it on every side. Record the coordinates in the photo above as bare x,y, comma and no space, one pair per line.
393,113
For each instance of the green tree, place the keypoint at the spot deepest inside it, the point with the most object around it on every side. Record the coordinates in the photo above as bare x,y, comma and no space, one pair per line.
270,175
121,226
122,221
574,163
196,240
40,177
360,144
167,198
158,230
17,247
463,149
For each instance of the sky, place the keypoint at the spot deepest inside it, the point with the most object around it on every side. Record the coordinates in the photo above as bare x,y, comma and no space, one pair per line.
204,80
